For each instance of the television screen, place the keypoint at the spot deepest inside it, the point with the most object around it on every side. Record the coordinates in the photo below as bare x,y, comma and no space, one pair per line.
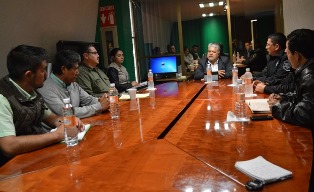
164,64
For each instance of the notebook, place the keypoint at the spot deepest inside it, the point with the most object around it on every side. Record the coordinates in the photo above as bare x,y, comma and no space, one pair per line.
80,134
261,169
258,105
141,85
126,96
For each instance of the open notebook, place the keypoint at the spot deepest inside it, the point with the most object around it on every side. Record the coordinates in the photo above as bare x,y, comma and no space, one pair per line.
81,134
261,169
258,105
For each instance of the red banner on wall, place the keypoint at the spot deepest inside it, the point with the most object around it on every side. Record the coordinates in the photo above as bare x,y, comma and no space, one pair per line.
107,16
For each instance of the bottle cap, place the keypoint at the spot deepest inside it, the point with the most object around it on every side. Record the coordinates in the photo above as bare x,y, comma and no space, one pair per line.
150,70
66,100
112,85
234,65
247,69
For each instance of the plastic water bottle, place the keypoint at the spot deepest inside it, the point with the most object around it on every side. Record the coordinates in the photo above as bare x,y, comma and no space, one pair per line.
150,79
234,58
209,73
239,107
234,74
248,82
70,129
238,55
114,101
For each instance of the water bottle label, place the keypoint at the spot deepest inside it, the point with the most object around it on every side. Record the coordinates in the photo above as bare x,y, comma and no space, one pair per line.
248,81
240,97
69,121
150,79
113,99
209,72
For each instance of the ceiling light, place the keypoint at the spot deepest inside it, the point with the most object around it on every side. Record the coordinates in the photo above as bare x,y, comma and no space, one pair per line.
211,4
203,15
221,3
201,5
211,14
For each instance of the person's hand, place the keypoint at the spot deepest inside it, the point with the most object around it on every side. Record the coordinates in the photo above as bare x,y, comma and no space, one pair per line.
256,82
221,73
240,60
60,128
274,99
79,124
104,102
59,132
259,88
134,83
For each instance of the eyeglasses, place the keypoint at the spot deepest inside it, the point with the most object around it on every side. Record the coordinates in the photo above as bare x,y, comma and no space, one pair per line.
95,52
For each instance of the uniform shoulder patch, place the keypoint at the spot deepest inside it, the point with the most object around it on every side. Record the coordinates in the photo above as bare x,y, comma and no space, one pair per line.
286,65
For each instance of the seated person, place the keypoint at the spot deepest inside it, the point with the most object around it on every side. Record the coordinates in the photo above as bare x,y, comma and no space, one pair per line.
188,58
171,49
22,109
298,108
257,59
278,65
117,73
156,51
92,79
194,52
61,84
220,64
248,49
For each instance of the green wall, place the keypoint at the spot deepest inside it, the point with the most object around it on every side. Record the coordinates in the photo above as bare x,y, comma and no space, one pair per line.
201,32
122,13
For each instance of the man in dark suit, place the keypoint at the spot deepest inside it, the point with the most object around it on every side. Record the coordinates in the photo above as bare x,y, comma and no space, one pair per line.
218,63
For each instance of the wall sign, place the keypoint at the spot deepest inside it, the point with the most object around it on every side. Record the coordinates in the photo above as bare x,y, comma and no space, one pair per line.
107,16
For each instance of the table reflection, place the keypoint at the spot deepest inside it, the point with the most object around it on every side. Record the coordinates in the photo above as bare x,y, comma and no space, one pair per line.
73,170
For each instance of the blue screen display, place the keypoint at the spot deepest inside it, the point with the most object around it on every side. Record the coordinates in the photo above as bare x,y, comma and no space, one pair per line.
166,64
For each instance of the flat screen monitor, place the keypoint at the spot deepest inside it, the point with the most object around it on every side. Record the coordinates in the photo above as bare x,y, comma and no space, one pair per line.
164,64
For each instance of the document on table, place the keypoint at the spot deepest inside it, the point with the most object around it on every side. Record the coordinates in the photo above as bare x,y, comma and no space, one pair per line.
80,134
138,95
258,105
261,169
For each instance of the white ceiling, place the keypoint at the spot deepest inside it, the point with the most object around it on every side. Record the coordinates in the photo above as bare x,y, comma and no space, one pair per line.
190,8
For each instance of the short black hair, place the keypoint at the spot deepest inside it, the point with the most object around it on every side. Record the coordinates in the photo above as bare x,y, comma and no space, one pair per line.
85,49
194,46
24,58
278,38
67,58
302,41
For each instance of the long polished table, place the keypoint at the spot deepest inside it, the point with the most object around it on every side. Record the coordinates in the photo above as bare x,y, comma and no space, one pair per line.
177,141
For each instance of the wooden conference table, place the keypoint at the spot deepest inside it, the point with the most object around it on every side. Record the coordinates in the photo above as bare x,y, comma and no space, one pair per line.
177,141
